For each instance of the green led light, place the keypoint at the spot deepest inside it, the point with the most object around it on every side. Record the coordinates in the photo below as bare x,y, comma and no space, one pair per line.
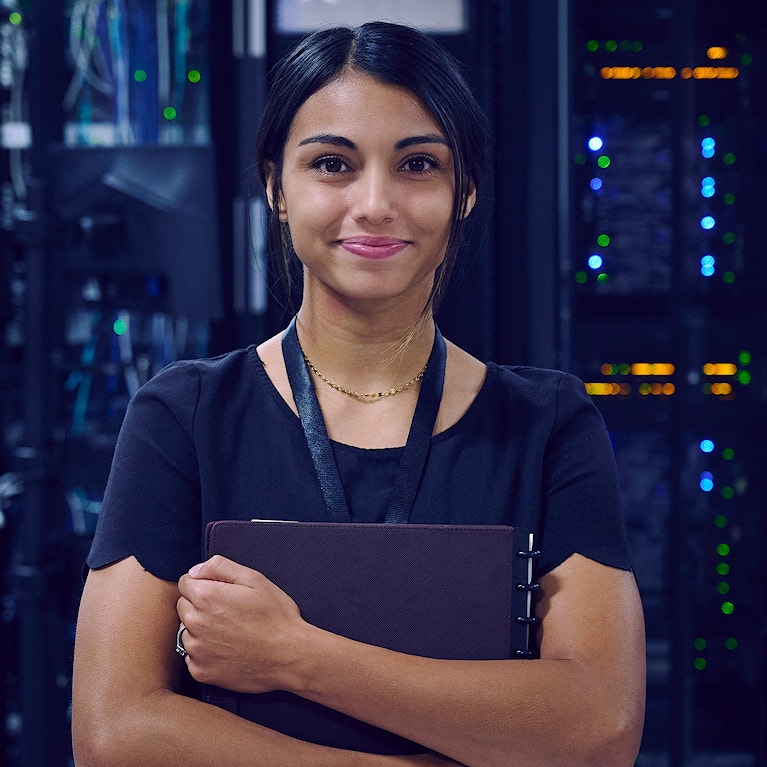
731,644
723,569
729,198
139,76
169,113
723,588
699,644
729,158
703,120
120,327
624,368
720,521
580,158
728,238
728,608
728,454
581,277
603,161
625,45
728,277
744,377
722,549
637,46
744,357
699,663
194,76
603,240
746,59
611,46
603,278
15,18
592,46
728,492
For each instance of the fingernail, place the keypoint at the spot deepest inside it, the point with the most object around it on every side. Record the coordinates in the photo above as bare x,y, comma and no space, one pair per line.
194,570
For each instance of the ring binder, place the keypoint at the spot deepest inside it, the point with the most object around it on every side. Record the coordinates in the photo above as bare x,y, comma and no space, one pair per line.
438,591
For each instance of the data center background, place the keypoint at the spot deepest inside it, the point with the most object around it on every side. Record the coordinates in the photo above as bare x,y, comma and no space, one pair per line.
626,243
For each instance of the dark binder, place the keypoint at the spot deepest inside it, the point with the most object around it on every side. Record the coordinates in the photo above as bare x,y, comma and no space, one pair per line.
455,592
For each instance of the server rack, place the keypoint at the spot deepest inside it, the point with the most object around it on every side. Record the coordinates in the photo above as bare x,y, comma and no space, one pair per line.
666,276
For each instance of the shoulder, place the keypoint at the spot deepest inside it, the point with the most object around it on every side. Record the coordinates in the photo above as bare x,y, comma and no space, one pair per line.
526,378
180,377
544,386
183,387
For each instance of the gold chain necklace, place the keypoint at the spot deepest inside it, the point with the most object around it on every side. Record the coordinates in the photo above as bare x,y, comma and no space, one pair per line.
358,395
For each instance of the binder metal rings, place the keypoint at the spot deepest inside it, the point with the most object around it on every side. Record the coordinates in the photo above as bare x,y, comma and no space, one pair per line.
529,586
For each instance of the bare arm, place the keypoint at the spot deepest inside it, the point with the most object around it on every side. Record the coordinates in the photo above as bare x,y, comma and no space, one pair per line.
126,710
582,703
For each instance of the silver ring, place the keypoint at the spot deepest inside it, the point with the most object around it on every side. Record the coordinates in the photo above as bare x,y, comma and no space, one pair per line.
180,649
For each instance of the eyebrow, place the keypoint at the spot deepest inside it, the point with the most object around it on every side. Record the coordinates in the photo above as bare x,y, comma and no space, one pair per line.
330,138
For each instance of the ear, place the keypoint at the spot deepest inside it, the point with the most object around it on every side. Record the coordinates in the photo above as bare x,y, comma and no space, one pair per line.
270,181
471,200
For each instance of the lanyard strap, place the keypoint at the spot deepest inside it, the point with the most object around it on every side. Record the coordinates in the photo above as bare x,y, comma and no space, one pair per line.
413,458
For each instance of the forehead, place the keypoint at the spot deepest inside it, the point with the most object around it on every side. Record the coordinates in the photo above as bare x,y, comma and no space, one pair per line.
358,106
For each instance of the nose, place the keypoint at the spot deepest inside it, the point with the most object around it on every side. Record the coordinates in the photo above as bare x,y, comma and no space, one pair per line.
374,196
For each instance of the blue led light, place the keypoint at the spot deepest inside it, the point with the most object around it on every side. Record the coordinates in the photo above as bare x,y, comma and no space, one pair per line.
708,186
595,143
707,266
708,143
706,481
595,261
595,183
707,222
706,446
708,153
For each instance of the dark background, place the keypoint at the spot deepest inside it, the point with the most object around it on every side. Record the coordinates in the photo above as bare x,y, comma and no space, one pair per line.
117,259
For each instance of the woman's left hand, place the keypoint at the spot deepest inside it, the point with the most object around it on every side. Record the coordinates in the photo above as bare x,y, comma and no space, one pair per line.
242,633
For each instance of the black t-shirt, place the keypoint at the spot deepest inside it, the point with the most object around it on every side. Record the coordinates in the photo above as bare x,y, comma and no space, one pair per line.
213,439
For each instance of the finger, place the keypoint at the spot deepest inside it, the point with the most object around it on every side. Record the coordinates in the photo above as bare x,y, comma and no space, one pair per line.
183,608
219,568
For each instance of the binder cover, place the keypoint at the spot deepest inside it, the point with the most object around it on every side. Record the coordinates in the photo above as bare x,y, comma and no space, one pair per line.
457,592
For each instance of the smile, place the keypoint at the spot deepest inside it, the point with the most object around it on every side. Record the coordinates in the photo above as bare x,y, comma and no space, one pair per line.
373,247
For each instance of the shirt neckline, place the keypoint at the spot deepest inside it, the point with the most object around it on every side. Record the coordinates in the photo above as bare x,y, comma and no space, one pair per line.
460,425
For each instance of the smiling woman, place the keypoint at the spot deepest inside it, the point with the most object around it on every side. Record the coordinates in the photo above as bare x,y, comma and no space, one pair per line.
371,151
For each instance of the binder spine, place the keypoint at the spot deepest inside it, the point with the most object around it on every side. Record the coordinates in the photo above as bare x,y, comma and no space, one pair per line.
527,587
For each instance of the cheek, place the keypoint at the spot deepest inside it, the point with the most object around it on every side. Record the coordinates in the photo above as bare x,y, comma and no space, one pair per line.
311,208
435,215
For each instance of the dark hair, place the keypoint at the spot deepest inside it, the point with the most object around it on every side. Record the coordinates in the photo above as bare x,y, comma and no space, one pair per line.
397,55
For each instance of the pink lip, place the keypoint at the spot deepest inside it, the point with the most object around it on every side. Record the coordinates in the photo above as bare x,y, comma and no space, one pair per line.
373,247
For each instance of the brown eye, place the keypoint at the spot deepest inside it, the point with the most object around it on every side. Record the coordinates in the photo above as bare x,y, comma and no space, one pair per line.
420,165
332,166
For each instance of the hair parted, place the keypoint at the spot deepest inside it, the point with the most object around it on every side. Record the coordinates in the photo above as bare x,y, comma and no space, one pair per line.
396,55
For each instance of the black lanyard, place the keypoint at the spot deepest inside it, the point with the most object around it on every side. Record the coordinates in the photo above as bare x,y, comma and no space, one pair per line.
413,458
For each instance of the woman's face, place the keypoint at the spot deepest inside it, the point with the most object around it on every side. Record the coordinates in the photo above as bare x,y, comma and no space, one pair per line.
367,191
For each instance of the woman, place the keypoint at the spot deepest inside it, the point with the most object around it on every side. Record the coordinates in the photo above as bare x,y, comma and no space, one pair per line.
371,155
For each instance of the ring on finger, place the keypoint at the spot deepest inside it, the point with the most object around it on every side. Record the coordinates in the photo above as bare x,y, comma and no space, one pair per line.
180,649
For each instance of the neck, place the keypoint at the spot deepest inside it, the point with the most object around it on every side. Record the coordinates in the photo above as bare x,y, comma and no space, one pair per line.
367,351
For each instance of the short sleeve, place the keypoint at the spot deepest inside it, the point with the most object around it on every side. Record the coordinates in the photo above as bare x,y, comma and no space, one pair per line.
581,496
151,506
